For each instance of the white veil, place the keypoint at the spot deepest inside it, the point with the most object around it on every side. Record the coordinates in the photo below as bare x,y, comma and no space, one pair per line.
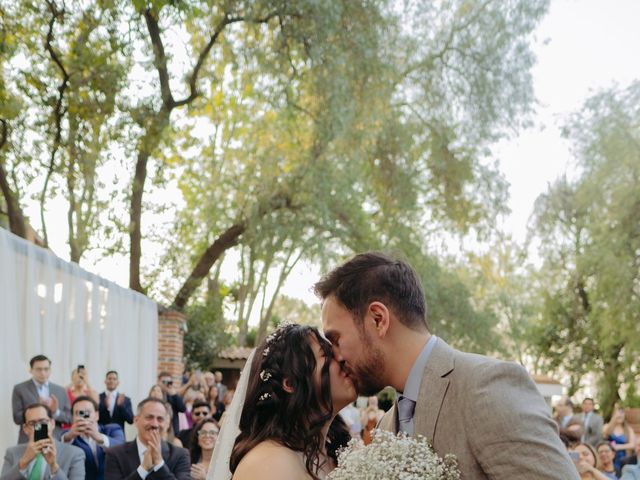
219,466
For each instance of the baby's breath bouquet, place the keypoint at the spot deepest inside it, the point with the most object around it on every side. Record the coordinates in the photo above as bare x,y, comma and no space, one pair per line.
392,457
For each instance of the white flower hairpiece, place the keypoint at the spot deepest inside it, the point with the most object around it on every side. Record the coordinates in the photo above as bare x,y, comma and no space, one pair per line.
264,396
265,375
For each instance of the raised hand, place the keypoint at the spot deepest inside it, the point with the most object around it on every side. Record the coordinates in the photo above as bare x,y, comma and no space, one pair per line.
198,472
53,404
33,449
121,399
49,453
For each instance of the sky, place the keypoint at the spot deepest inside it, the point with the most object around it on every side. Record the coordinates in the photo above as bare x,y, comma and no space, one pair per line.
582,46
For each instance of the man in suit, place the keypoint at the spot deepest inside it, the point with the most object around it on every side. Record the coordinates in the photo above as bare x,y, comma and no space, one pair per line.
591,423
115,407
486,412
148,456
569,425
199,412
38,389
86,434
42,458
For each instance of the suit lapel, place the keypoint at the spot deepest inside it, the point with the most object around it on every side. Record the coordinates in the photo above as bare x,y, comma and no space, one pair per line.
31,387
433,389
132,456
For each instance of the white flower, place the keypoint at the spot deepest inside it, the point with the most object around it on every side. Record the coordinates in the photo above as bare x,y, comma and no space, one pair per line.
393,457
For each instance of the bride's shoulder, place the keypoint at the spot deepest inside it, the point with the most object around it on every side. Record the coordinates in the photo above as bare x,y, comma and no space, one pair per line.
271,460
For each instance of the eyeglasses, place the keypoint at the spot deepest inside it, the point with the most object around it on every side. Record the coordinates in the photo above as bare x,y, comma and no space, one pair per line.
208,433
197,413
33,423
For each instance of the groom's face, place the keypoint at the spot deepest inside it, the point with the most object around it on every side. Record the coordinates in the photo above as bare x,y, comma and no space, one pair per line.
353,348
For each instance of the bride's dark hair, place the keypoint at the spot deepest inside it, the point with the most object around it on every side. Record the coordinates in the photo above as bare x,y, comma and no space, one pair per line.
294,419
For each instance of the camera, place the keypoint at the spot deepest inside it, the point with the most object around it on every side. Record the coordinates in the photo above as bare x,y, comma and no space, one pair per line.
84,413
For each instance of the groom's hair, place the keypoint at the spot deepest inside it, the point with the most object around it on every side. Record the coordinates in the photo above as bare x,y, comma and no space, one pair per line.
374,276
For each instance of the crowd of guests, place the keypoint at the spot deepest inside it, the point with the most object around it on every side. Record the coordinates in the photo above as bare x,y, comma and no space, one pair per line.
601,450
77,433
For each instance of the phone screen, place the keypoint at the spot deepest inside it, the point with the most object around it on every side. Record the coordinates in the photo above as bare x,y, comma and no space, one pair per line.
41,432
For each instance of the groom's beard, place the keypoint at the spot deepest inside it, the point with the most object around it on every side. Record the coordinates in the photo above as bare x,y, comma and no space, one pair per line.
366,376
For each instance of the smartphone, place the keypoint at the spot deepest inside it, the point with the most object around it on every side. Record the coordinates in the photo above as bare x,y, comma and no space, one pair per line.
40,431
575,456
80,367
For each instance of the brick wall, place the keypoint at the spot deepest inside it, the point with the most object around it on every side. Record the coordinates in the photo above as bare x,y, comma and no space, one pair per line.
171,327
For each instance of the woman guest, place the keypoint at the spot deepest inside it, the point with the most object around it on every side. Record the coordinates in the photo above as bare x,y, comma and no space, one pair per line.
79,386
620,435
217,407
606,454
587,462
203,440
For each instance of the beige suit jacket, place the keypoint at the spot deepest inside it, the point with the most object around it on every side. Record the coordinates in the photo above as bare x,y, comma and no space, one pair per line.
489,414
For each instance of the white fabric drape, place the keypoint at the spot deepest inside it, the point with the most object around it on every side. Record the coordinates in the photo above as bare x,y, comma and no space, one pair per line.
53,307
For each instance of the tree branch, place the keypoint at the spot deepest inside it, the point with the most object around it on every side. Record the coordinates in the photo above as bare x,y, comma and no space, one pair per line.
58,113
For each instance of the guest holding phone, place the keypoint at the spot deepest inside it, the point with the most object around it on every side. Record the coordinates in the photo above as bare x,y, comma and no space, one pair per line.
586,461
42,456
170,394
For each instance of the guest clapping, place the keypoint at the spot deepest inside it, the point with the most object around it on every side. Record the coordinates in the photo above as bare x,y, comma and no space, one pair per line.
203,441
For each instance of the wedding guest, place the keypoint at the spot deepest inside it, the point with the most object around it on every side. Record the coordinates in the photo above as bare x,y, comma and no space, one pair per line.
148,455
170,394
606,454
217,407
619,433
202,443
209,379
45,458
115,406
351,416
169,433
568,423
591,423
631,472
587,463
38,389
222,388
371,416
92,438
186,418
79,386
201,410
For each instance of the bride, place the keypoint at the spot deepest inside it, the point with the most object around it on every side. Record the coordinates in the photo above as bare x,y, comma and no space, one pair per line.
288,427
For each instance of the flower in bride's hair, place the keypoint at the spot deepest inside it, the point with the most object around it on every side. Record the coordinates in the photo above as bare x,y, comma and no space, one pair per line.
393,457
265,375
265,352
264,396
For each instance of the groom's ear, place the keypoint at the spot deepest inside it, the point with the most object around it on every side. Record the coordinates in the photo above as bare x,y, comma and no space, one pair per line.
379,315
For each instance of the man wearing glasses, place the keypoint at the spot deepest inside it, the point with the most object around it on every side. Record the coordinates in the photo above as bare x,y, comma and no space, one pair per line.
199,412
38,389
41,457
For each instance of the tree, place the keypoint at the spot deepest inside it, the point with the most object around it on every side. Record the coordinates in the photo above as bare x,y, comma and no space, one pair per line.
591,238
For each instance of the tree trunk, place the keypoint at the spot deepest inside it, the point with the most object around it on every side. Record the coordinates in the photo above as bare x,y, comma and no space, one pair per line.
135,235
17,225
228,239
609,381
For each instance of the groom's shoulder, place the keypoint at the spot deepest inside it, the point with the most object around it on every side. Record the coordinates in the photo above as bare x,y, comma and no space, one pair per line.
474,364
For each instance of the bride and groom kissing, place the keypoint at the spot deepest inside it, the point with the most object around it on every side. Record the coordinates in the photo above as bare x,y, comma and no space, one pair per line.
283,422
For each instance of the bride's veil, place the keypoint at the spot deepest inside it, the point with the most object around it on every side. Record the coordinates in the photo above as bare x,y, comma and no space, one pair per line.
219,466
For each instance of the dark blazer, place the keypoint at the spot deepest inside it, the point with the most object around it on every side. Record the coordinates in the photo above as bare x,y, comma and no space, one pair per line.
178,406
92,470
25,393
69,458
122,462
489,414
121,413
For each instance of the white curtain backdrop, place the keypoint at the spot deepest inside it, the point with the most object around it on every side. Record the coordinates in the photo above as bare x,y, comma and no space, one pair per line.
53,307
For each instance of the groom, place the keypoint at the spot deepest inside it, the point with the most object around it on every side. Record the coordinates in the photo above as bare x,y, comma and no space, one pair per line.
486,412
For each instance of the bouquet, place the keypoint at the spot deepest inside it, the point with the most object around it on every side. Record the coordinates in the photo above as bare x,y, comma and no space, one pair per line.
394,458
